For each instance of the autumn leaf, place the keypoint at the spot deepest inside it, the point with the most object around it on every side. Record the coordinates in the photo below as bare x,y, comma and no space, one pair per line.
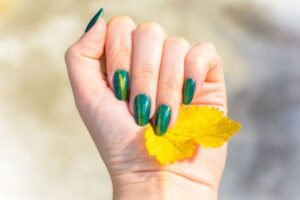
203,125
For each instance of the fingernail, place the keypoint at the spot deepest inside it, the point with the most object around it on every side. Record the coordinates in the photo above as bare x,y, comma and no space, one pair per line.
142,107
162,119
188,91
121,82
94,19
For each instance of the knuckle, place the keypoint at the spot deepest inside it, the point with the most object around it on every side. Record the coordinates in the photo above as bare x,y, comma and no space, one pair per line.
207,46
146,65
120,53
121,20
211,52
151,27
190,56
194,59
178,41
155,27
170,85
70,52
204,50
144,73
203,54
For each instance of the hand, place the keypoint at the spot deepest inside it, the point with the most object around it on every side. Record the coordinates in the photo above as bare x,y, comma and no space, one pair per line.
157,68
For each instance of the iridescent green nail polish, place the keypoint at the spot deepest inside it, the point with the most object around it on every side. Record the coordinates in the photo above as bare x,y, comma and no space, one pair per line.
100,13
121,82
188,91
142,106
162,119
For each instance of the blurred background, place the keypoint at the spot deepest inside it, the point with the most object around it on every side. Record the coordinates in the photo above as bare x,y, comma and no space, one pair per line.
45,150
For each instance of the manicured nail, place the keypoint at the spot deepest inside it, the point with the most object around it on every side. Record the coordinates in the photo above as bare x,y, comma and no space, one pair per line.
162,119
94,20
121,82
142,106
188,90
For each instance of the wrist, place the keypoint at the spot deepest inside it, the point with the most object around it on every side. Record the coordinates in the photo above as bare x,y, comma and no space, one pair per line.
160,185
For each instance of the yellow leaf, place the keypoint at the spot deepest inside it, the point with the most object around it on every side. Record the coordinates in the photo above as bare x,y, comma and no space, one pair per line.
195,125
206,125
166,150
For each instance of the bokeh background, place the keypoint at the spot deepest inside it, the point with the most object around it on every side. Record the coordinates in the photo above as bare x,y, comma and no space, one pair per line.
45,150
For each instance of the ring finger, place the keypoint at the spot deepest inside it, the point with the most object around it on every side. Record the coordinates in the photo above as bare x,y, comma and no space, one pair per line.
170,83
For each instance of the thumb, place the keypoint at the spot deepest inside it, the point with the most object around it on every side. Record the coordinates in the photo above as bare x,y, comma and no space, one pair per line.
83,61
91,43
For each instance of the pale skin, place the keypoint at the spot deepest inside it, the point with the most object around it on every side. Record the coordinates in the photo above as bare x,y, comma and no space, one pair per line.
157,66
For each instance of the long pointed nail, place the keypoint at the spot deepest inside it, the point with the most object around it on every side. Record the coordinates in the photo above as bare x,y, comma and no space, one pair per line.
142,107
162,119
100,13
121,82
188,91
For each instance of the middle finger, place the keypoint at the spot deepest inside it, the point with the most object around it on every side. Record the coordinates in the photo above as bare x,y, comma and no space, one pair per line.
147,50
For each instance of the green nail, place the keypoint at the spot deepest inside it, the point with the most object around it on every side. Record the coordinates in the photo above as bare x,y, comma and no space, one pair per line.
162,119
188,91
142,106
121,82
94,20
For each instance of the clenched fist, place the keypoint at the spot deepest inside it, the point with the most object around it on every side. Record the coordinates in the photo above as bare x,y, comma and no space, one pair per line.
145,78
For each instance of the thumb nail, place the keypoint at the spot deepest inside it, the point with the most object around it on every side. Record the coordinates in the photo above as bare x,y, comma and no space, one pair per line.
99,14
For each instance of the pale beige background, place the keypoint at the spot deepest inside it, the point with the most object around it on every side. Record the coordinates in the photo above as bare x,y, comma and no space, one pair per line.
45,150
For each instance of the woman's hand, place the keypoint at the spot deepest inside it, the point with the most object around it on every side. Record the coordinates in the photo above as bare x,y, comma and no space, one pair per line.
144,70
